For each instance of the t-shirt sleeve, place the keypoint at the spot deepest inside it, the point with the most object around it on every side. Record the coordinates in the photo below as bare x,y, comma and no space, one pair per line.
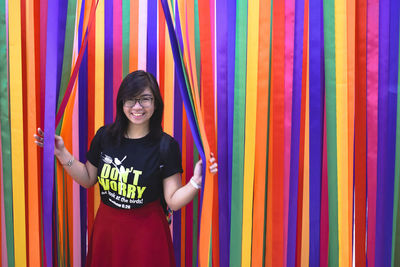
173,162
93,155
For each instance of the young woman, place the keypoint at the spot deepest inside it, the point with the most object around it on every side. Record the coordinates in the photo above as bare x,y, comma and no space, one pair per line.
136,165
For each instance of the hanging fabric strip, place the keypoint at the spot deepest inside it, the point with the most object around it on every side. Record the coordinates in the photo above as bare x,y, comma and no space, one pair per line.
66,133
392,116
324,231
133,35
277,93
372,122
142,35
231,86
222,129
17,133
168,86
108,62
99,82
76,187
125,36
62,19
396,208
77,64
3,242
117,50
161,49
49,128
238,132
33,177
360,137
350,17
178,136
388,60
151,60
330,85
189,208
183,181
91,50
7,192
177,219
250,128
1,205
261,134
288,92
304,80
209,203
342,130
305,231
383,204
295,130
67,58
42,46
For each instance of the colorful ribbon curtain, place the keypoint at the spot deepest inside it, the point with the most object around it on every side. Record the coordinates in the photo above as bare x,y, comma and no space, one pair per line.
297,99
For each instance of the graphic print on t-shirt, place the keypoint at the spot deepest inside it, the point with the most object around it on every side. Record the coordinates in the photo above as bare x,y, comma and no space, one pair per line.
113,178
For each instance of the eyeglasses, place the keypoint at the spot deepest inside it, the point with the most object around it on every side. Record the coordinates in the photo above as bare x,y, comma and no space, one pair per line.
144,101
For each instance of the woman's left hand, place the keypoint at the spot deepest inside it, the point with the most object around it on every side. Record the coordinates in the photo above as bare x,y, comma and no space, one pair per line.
198,173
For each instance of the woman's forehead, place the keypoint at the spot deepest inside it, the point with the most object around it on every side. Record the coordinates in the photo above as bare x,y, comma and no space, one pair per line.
145,92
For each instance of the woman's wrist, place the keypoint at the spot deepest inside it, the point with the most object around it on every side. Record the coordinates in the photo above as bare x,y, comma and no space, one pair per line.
194,181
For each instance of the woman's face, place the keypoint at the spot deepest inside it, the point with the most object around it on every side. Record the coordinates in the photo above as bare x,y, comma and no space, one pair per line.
139,110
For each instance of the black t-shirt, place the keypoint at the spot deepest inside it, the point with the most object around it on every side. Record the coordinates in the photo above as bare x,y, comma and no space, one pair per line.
130,174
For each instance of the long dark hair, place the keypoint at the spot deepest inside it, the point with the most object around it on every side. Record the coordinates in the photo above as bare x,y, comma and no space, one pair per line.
132,86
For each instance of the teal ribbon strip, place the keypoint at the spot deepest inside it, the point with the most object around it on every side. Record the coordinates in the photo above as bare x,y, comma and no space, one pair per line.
6,137
125,36
238,133
330,87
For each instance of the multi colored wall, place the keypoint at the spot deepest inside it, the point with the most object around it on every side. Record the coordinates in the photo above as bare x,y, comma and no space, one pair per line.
298,99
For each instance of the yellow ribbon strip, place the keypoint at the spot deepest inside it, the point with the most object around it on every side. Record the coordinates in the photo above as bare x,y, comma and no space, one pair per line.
250,134
17,132
99,83
342,130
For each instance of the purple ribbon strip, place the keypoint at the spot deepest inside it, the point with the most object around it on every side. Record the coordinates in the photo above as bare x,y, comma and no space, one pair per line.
388,68
151,59
49,126
83,133
222,98
295,137
108,62
316,127
382,251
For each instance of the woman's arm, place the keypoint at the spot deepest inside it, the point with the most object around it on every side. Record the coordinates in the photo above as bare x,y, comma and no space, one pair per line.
83,174
177,195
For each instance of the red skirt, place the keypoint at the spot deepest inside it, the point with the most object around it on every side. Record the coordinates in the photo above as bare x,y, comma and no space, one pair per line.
136,237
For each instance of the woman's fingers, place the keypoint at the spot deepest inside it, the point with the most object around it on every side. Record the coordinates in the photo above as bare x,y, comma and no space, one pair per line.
39,144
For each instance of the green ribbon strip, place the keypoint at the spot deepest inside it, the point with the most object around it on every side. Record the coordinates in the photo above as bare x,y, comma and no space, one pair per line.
330,87
238,133
6,138
68,50
125,36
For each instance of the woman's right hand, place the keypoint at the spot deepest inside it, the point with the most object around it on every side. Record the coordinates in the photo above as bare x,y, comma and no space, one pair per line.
58,142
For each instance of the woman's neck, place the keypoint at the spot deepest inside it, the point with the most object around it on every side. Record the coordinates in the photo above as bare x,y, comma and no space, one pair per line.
137,131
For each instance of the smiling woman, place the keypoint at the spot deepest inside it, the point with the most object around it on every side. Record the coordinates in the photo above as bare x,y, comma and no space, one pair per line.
135,178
